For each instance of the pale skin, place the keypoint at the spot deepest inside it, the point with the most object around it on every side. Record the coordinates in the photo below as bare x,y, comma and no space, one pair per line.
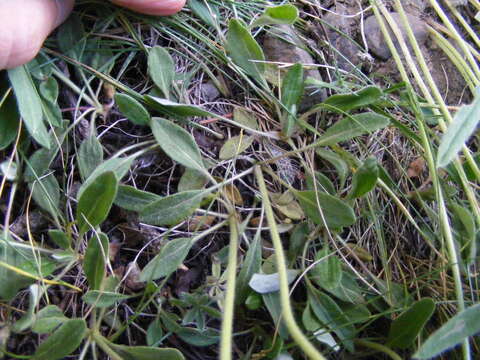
25,24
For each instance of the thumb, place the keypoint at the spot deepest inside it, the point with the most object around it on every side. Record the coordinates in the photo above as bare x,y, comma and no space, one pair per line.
25,24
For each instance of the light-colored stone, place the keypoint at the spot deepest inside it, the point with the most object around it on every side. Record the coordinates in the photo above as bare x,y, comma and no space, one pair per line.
283,45
376,41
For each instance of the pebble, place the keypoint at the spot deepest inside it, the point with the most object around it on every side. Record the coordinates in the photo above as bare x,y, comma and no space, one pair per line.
283,45
376,41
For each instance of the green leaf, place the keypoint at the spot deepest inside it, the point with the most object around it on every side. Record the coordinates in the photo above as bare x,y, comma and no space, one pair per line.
244,50
65,340
29,317
331,316
161,69
338,163
323,183
29,104
9,116
71,37
60,238
48,319
172,209
90,155
328,272
192,180
297,241
274,307
95,258
168,260
197,337
130,198
348,289
459,131
176,109
336,212
267,283
405,329
464,224
103,299
282,14
48,90
353,126
245,118
209,14
96,200
37,165
10,281
119,166
154,333
250,266
177,143
132,109
146,352
235,146
46,193
452,333
292,92
364,179
347,102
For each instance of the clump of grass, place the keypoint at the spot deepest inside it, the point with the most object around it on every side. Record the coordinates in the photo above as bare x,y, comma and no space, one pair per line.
241,227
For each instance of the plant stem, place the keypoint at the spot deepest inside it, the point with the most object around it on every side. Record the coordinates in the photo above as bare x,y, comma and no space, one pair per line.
287,313
103,344
382,348
227,321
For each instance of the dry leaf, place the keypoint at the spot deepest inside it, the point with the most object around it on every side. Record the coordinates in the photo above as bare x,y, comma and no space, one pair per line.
416,167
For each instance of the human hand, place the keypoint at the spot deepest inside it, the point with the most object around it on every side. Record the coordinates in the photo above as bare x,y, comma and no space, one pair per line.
25,24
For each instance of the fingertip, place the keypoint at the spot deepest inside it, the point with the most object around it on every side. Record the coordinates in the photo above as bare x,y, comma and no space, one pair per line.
24,26
64,8
152,7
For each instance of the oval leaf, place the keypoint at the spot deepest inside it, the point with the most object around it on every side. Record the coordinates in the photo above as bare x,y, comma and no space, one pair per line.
292,92
65,340
459,131
132,109
347,102
102,299
177,143
353,126
130,198
328,272
90,155
146,353
29,104
336,212
235,146
243,48
282,14
96,200
267,283
452,333
405,329
168,260
95,259
172,209
364,179
161,69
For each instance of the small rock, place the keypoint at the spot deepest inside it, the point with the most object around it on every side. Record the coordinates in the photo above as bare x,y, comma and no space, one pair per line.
346,51
376,41
209,92
413,6
283,45
133,277
36,222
